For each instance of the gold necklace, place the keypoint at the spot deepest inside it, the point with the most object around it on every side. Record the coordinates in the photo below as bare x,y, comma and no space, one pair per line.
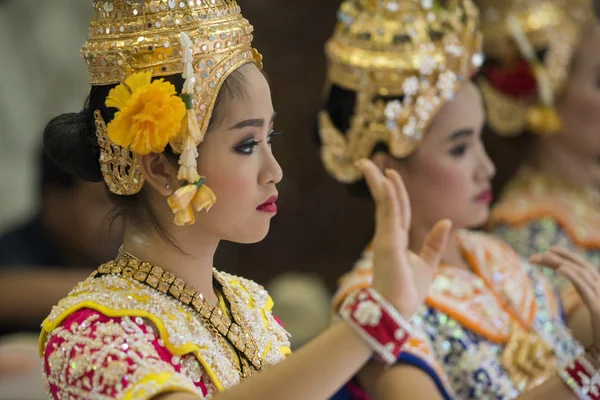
223,327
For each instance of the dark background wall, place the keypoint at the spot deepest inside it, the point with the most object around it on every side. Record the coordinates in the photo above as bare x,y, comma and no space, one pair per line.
320,228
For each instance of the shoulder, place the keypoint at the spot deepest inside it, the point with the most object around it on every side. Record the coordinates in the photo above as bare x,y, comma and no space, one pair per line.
252,293
252,307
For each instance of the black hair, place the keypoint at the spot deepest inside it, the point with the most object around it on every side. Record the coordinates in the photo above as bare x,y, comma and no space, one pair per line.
70,141
340,104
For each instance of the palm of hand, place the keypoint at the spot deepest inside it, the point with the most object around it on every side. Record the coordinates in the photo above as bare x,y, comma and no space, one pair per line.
584,277
401,276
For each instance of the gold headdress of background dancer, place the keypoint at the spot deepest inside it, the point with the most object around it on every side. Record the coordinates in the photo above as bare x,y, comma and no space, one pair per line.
130,42
529,45
404,59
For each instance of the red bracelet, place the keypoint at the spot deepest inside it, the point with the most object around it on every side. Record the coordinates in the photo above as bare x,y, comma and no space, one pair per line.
377,322
582,377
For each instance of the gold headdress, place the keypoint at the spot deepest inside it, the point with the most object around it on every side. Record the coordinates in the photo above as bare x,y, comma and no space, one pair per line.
519,89
132,41
413,50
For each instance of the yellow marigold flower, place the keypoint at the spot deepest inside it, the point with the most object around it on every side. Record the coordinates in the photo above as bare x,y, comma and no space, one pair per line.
185,216
182,198
204,198
150,113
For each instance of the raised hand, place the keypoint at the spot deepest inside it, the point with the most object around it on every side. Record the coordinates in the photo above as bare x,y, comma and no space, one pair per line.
401,276
584,277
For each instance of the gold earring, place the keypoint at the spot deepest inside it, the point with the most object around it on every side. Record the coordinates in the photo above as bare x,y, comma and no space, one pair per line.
119,167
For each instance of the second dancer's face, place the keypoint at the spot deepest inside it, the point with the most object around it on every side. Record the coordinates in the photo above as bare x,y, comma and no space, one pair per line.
449,175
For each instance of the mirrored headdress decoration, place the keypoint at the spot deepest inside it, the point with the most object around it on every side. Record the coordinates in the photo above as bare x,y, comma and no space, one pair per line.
404,59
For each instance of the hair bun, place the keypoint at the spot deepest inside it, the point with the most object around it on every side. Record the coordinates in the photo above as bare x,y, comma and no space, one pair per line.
70,142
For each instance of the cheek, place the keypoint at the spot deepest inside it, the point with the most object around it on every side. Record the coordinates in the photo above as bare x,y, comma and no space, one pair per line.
230,177
443,178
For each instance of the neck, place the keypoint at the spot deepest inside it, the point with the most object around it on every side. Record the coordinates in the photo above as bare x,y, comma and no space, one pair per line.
452,254
552,157
193,263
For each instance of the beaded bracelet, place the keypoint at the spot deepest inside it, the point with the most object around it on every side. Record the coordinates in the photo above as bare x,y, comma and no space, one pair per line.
582,377
377,322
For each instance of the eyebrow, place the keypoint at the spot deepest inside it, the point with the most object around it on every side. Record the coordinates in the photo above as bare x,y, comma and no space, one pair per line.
254,123
460,133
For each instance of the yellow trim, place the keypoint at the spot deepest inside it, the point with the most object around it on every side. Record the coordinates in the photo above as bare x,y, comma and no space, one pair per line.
266,350
285,351
162,380
49,326
269,305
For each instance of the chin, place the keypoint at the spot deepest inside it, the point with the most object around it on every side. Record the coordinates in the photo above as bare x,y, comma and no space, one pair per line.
252,234
478,218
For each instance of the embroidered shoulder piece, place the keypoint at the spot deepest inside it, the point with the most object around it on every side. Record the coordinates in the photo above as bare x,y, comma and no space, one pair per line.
532,197
94,356
485,300
181,329
256,307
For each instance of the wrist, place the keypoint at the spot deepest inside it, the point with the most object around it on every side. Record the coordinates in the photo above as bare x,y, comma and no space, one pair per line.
582,377
379,324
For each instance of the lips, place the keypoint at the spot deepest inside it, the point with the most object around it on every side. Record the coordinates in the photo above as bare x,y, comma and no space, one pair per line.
485,196
268,206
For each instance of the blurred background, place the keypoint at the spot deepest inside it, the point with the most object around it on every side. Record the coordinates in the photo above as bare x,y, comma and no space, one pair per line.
51,230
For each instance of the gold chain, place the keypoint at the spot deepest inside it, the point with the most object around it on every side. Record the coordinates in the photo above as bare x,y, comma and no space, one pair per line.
226,330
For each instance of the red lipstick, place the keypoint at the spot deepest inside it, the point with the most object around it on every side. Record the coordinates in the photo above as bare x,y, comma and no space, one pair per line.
268,206
485,196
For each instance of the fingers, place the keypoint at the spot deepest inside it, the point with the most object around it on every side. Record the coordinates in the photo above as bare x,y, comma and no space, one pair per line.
585,290
556,258
402,195
373,177
386,202
546,259
579,261
435,242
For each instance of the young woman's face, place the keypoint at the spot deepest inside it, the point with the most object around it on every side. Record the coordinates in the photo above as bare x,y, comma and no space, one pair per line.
240,168
449,175
579,104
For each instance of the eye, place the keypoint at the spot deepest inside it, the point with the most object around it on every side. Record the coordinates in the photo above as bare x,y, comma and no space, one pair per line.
272,135
247,147
458,150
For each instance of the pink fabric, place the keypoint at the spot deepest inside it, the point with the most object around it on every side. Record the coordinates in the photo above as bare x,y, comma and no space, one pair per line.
78,317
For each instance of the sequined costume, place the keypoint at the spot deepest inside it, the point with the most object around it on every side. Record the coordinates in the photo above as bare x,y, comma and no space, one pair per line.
133,330
115,336
536,212
468,335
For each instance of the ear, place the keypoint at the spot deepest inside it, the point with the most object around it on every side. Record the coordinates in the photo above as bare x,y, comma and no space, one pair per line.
159,172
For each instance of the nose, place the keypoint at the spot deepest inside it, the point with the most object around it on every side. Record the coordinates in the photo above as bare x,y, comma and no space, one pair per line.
271,172
487,169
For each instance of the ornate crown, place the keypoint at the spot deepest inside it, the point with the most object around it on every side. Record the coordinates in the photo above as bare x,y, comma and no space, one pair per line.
132,41
417,52
515,33
128,36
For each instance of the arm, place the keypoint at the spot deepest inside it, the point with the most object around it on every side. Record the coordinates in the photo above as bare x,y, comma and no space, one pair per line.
316,371
322,366
404,382
579,322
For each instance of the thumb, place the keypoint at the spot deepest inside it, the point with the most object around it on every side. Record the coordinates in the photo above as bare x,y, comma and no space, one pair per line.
435,242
